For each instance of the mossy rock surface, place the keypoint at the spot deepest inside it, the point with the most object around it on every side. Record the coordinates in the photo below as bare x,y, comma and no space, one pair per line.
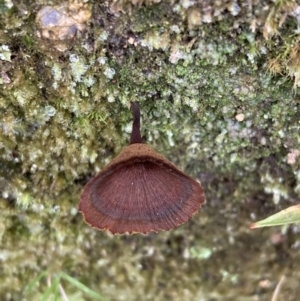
218,87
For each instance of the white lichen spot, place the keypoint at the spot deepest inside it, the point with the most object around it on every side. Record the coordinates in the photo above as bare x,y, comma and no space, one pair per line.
56,72
10,124
110,98
251,56
5,194
109,72
128,128
177,8
274,186
5,255
281,133
73,211
102,60
175,28
35,154
232,70
20,98
103,36
37,208
33,168
49,111
233,158
175,56
84,155
207,15
187,3
200,252
72,87
78,67
277,193
234,8
5,53
57,75
263,141
220,138
192,103
89,81
208,52
9,4
55,85
170,138
93,156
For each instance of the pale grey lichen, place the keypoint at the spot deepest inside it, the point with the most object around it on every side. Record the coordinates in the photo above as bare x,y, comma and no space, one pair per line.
234,8
109,72
111,98
103,36
8,3
175,28
49,111
89,81
78,67
21,98
102,60
5,53
200,252
187,3
57,75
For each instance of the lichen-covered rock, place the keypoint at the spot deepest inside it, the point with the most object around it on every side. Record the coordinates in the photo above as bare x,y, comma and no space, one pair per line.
218,84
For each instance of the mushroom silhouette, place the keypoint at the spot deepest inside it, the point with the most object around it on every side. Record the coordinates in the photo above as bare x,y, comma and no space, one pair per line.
139,191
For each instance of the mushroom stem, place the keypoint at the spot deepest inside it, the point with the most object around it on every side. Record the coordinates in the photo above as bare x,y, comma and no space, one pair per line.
135,134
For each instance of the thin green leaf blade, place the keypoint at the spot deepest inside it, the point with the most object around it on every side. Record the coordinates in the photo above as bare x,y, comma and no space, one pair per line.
51,290
33,283
284,217
82,287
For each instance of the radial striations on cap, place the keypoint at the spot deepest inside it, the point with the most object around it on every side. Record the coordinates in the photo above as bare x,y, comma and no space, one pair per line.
138,192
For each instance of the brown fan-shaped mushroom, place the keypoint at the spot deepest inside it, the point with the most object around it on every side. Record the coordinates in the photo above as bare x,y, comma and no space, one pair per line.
140,191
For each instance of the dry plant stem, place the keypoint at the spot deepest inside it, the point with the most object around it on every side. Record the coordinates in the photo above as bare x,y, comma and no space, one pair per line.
63,293
49,280
277,289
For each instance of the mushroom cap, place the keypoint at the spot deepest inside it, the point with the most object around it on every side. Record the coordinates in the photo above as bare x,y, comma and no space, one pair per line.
140,191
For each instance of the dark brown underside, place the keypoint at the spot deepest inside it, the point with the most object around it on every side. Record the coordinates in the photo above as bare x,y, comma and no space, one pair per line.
142,196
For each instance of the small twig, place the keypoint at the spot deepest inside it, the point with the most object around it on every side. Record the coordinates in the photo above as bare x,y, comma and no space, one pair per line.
63,293
49,280
277,289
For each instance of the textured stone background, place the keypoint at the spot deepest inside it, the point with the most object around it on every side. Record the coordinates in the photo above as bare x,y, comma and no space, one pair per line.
218,86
